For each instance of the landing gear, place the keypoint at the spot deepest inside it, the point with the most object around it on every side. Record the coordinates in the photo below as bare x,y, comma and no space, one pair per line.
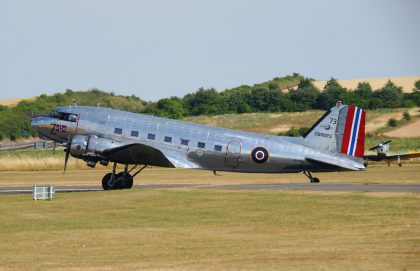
309,175
121,180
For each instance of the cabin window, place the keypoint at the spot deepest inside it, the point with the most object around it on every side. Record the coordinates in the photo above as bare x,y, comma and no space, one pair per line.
151,136
135,133
118,131
201,145
217,148
168,139
184,142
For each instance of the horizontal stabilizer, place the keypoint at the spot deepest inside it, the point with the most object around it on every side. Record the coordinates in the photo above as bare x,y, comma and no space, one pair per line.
338,162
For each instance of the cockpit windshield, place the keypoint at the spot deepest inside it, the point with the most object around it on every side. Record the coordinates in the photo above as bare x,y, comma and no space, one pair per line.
63,116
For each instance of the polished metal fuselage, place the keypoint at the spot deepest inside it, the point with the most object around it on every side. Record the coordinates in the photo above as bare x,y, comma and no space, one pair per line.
286,154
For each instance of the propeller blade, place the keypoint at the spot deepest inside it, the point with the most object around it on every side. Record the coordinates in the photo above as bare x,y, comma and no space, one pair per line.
67,156
374,148
386,142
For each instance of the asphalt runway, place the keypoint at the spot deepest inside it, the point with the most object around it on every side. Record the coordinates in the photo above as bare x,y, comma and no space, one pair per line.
336,187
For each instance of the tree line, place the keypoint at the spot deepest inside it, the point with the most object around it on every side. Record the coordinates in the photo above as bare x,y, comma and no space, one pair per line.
270,98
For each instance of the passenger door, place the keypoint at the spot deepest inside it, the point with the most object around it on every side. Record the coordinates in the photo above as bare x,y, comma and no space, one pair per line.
233,153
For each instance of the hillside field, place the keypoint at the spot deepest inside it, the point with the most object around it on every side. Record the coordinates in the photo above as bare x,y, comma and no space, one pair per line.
406,82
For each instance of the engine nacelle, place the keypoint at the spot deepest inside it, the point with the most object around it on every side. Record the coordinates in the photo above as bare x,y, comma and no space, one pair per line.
90,147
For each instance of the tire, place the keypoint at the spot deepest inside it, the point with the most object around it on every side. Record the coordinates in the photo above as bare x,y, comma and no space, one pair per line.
128,182
315,180
105,181
119,184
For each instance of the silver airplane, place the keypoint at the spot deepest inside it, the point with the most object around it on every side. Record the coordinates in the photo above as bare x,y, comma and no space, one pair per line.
334,143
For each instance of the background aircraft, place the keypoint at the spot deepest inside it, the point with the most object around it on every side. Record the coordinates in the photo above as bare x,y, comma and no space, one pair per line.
382,150
334,143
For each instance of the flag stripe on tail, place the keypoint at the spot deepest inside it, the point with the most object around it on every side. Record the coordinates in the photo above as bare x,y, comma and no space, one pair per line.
354,132
347,129
360,146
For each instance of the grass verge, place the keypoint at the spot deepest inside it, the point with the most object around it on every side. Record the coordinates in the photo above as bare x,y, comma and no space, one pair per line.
210,230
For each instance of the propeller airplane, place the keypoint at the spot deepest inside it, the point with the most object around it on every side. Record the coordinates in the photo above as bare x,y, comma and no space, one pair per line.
103,135
382,150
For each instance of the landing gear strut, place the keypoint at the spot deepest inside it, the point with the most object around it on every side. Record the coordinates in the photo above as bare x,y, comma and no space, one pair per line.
309,175
121,180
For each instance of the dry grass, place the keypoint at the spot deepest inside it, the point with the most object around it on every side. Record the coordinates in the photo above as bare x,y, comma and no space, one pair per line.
406,82
13,102
188,229
38,164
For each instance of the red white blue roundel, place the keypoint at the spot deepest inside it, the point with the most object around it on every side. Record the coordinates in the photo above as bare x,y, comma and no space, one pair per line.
259,155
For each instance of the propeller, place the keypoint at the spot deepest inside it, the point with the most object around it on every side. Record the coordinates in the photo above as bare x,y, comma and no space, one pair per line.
380,145
68,144
67,150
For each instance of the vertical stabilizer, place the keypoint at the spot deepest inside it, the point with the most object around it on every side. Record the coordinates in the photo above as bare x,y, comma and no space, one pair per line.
341,129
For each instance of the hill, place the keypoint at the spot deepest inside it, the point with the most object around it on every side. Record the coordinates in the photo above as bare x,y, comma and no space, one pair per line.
406,82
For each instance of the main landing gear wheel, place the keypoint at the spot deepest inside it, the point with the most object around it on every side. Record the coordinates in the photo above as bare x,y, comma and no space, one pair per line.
122,180
118,182
311,179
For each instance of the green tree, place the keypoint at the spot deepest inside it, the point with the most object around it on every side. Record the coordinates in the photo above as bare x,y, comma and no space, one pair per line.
205,102
332,93
417,85
391,95
171,107
305,96
363,95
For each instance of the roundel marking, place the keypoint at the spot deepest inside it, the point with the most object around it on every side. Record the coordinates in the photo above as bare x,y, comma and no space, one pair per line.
259,155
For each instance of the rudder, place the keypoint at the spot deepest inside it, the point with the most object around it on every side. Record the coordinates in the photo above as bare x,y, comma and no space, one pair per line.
351,131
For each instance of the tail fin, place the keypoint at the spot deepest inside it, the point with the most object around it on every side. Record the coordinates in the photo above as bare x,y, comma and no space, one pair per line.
341,129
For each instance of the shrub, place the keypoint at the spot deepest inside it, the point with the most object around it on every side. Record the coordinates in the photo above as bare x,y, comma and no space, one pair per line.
406,116
392,122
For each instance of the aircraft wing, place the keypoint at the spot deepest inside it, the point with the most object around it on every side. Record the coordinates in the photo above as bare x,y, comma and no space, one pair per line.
136,153
392,157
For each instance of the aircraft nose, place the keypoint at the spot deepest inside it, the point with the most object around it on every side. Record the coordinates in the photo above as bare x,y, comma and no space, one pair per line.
39,123
35,123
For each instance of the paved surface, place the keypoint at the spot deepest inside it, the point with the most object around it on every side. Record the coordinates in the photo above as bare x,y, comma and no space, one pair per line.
348,187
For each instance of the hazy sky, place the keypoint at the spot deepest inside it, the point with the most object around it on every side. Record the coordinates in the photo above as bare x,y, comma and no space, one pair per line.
155,49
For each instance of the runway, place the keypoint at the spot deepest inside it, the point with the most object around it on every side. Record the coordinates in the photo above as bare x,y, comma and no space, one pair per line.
333,187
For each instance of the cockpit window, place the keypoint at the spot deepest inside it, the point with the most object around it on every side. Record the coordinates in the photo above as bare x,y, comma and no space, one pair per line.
63,116
54,114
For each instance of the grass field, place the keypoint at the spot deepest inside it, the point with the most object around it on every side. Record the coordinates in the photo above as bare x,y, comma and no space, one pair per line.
187,229
406,82
206,229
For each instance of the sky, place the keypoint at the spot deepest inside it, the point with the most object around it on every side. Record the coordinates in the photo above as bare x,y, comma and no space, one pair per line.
156,49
